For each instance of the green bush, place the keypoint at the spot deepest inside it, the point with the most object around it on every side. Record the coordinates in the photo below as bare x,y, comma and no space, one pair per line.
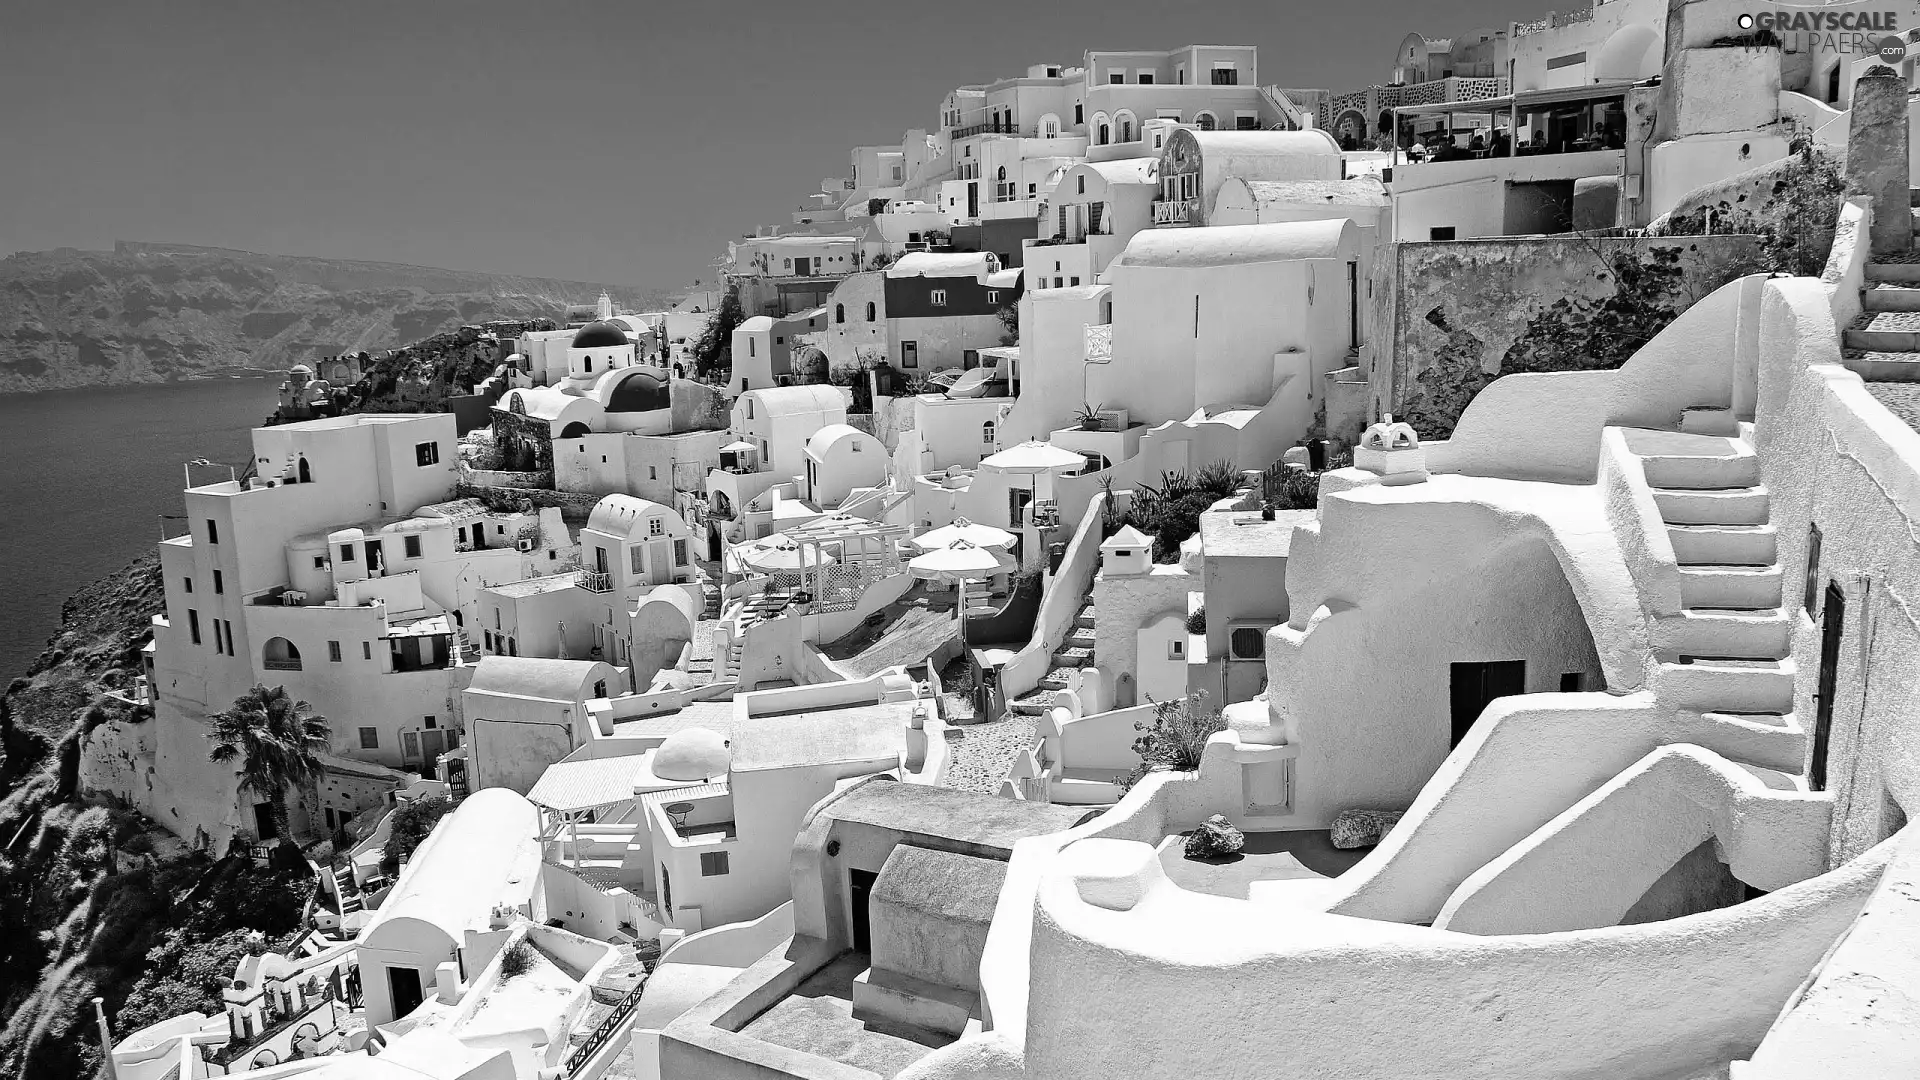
1287,488
1177,737
1197,621
412,821
516,960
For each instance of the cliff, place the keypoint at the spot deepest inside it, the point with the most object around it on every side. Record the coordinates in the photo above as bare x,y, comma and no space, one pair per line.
158,312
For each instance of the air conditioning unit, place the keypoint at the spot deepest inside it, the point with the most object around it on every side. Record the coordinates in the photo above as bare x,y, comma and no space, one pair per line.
526,545
290,598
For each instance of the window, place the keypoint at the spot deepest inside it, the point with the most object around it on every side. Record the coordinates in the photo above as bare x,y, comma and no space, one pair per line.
1073,281
213,531
909,354
599,690
1226,76
753,347
428,453
839,313
228,627
938,298
1572,682
749,409
188,582
366,650
1078,113
346,552
319,562
637,558
656,527
713,863
987,432
679,553
870,311
856,446
1145,78
333,651
1116,77
1205,121
193,626
993,296
1246,122
411,545
1247,643
1811,598
1176,648
410,745
653,472
1440,232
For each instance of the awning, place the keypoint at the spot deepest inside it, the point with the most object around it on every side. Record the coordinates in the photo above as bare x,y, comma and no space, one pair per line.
569,786
1524,101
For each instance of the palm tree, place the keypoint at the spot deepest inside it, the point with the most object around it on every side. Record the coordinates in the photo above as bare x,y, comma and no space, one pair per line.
280,742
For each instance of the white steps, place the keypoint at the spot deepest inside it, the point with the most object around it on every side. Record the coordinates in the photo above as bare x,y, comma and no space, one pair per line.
1694,473
1733,685
1702,631
1712,506
1723,545
1743,588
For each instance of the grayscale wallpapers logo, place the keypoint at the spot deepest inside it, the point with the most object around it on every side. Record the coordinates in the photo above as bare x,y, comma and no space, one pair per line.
1824,27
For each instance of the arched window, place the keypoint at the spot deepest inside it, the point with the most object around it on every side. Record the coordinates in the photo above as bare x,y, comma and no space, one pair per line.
839,313
1103,134
869,311
1125,122
589,363
1206,122
279,654
306,472
987,432
1100,129
1002,175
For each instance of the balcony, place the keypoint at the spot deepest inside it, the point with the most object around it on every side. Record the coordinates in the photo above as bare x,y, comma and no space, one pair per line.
595,581
1175,211
1099,343
991,128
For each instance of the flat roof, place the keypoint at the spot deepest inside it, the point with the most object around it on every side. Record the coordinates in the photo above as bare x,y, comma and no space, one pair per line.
715,716
972,818
534,586
859,732
1243,533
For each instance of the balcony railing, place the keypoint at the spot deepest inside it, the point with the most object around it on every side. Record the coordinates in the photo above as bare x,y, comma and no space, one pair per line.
991,128
1099,343
280,665
595,581
1173,211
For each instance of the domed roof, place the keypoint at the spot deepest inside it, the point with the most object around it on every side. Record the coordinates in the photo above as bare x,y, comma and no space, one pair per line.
299,369
599,335
692,755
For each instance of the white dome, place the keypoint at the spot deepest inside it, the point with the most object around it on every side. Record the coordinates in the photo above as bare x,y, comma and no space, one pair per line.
692,755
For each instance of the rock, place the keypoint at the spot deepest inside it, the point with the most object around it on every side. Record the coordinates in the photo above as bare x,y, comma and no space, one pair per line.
1213,838
1362,828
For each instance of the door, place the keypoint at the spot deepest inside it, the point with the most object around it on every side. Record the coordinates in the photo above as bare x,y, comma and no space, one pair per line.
376,561
1017,500
1833,618
973,198
479,536
860,891
404,984
600,559
1476,684
264,825
1353,305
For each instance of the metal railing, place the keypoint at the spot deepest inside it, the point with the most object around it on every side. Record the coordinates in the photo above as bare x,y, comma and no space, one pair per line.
578,1060
1099,340
281,665
595,581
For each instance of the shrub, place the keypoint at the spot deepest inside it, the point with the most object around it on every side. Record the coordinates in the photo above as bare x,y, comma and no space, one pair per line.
1197,621
516,960
1288,488
412,821
1178,735
1217,478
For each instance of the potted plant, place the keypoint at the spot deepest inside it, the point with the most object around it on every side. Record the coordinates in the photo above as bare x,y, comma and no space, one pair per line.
1089,417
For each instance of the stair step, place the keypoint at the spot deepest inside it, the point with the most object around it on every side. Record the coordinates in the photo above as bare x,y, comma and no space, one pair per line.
1079,638
1772,740
1737,467
1741,588
1720,545
1882,366
1721,685
1707,420
1890,297
1886,331
1902,273
1712,506
1762,633
1072,657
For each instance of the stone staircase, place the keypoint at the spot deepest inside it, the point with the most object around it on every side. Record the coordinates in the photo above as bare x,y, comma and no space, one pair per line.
349,893
1724,655
1883,344
752,611
1075,651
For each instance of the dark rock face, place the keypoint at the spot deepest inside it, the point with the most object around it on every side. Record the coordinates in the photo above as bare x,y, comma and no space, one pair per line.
159,312
1362,828
1213,838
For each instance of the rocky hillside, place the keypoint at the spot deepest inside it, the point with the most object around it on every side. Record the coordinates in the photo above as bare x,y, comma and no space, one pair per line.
157,312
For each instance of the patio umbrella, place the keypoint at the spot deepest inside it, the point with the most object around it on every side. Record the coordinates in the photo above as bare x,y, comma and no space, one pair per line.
1034,457
961,560
985,536
783,555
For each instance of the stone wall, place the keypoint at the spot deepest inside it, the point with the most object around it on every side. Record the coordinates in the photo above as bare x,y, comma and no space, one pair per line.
1462,313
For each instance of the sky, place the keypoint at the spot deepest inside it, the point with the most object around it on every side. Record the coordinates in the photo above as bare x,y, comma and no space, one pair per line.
620,142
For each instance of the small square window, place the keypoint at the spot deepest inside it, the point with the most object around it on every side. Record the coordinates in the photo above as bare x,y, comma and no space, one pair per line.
713,863
1177,649
369,738
346,552
319,562
939,298
656,527
411,545
426,453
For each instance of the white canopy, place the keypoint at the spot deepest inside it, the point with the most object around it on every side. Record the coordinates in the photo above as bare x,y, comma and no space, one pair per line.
961,560
1034,457
780,553
985,536
736,447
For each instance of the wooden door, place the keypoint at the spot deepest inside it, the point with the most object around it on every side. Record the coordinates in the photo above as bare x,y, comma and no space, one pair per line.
1833,618
1474,685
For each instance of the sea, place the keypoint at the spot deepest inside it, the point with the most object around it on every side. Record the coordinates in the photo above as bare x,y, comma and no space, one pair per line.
87,474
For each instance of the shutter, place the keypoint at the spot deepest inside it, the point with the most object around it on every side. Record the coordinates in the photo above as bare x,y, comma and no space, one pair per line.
1063,220
1093,217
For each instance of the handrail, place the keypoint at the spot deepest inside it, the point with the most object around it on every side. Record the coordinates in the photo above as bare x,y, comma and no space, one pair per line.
577,1060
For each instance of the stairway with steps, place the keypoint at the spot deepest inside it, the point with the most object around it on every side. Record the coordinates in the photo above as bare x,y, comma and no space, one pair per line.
1075,651
752,611
1725,653
348,892
1883,344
